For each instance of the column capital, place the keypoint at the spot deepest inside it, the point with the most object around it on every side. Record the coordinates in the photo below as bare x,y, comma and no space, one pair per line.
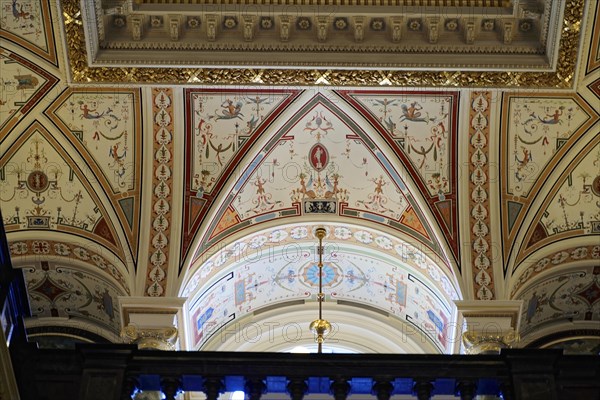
153,322
489,325
151,338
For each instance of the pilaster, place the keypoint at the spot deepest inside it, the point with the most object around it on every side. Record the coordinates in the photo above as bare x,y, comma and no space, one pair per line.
489,326
153,322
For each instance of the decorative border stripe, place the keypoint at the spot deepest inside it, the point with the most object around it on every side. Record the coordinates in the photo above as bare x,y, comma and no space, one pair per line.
479,187
162,186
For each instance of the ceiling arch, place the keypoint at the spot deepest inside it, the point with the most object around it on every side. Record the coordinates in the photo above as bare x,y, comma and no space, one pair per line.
553,257
355,330
62,289
222,125
104,125
567,298
363,267
356,179
561,214
59,196
421,127
538,135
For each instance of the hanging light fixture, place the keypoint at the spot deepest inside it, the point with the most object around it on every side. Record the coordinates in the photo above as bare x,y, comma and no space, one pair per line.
320,327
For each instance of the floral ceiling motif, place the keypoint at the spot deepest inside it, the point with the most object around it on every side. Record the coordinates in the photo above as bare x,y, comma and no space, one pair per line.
257,246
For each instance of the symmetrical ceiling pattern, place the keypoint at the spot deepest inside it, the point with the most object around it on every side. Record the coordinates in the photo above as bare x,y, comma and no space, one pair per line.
110,187
322,162
362,266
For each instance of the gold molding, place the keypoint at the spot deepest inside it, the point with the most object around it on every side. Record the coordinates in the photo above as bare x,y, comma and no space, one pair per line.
562,78
337,3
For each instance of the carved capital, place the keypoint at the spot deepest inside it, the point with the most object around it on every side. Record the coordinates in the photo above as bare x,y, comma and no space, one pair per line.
151,338
481,343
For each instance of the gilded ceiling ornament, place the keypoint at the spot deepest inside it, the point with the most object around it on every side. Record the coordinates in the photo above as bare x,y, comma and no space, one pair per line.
561,78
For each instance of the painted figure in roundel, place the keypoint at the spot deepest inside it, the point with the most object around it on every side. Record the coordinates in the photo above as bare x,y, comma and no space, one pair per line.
318,157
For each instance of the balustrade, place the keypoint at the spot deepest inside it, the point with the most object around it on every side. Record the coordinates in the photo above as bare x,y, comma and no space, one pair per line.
119,371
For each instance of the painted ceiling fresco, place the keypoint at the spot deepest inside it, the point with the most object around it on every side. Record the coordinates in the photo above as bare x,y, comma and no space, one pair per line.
361,265
28,24
430,191
23,85
538,130
571,296
61,291
58,195
321,162
221,127
421,128
105,125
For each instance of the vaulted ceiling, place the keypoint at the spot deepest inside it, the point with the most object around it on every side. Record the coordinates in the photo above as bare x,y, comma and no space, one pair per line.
191,149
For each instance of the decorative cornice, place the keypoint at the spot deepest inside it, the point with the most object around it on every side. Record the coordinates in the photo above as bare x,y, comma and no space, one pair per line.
370,3
562,78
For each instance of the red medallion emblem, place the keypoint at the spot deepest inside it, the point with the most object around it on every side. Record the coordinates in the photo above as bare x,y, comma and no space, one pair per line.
318,157
37,181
